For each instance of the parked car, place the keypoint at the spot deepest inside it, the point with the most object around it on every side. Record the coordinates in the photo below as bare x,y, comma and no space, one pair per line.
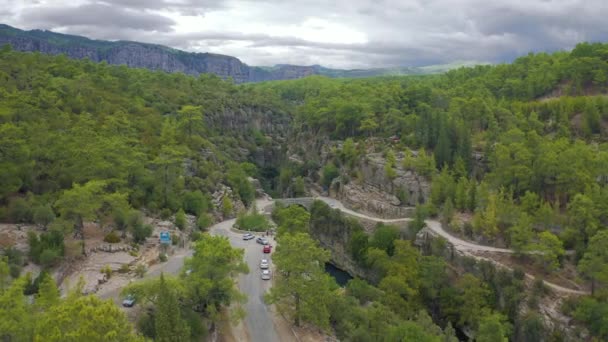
248,236
266,275
129,301
261,241
267,249
264,264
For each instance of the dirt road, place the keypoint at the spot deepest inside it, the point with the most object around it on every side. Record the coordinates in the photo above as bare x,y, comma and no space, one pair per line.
459,244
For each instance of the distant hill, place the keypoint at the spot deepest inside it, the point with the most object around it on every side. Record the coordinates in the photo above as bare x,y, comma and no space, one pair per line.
159,57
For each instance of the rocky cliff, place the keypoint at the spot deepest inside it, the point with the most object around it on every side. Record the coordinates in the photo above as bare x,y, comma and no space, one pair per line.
375,193
158,57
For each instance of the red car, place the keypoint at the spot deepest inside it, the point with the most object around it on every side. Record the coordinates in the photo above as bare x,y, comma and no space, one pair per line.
267,248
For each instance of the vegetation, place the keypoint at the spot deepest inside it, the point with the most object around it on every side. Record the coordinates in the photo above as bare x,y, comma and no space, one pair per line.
51,318
302,289
155,141
181,305
253,221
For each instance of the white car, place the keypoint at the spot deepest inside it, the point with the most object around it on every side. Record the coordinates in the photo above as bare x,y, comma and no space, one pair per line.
266,275
264,264
261,241
248,236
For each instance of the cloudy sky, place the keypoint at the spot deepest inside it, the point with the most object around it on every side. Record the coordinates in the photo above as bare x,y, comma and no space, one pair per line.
334,33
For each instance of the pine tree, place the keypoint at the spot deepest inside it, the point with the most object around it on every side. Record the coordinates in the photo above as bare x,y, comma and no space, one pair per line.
168,322
48,293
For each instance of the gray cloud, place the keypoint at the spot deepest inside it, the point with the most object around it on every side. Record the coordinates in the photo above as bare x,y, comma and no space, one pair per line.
98,15
186,7
398,32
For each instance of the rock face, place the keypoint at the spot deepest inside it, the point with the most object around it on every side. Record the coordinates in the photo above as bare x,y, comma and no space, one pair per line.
158,57
373,192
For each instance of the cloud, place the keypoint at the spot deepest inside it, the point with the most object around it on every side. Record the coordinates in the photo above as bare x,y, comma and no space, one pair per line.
339,33
186,7
97,15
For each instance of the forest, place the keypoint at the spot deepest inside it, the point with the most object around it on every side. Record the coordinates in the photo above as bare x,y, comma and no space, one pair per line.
520,148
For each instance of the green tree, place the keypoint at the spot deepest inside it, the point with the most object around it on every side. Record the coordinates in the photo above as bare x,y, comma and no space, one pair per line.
239,181
401,279
330,172
549,249
486,220
168,322
299,188
227,207
302,289
190,120
81,203
594,263
85,318
16,319
583,220
204,221
180,219
521,235
210,284
195,202
492,328
384,238
48,293
293,219
473,296
44,215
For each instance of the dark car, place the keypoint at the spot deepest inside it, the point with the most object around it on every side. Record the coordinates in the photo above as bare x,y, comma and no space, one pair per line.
129,301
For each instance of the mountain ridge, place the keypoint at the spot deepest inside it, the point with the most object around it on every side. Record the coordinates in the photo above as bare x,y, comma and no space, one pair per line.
161,57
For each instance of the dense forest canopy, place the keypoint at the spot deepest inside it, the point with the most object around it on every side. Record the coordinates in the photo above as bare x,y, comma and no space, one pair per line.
522,147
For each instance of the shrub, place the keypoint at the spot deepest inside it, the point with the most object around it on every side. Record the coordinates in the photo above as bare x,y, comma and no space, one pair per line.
124,268
140,270
227,206
163,257
384,238
330,171
49,244
254,222
165,214
195,236
133,253
49,257
141,232
174,239
195,202
32,286
112,237
204,221
19,211
3,214
107,271
180,219
146,326
43,215
14,270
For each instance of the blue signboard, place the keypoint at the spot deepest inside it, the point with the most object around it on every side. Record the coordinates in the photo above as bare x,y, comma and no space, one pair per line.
165,237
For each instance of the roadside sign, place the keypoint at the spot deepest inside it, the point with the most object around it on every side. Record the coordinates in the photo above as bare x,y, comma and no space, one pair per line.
165,237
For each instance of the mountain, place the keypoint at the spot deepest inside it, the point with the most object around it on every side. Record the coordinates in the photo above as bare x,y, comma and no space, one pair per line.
159,57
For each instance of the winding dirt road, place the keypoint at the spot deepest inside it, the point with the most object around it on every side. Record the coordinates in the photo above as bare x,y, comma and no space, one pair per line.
466,247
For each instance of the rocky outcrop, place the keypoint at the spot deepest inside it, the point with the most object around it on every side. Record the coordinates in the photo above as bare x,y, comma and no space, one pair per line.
158,57
217,198
375,193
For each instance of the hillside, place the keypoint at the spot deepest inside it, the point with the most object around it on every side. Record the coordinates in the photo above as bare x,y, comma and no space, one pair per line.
158,57
512,156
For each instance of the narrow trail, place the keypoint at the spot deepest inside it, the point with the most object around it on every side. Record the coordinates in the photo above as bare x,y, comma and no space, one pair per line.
466,247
